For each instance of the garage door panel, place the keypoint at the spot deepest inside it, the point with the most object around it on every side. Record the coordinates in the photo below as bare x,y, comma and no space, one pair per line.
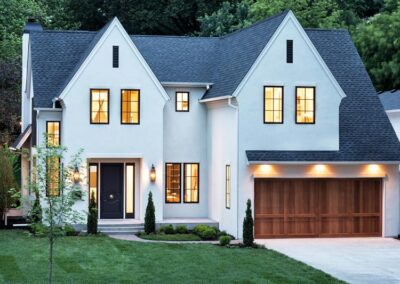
317,207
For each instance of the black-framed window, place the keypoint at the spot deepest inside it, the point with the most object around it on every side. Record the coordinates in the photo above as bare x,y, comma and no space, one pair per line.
130,106
305,105
53,173
191,182
53,133
94,182
273,104
289,51
228,186
115,58
172,183
99,106
182,101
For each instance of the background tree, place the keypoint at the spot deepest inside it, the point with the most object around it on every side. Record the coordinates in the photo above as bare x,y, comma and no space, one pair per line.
150,218
248,234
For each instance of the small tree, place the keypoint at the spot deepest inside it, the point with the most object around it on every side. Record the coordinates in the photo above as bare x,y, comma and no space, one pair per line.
150,218
248,237
92,216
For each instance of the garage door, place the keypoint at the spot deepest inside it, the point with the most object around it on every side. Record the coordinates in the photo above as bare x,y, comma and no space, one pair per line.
317,207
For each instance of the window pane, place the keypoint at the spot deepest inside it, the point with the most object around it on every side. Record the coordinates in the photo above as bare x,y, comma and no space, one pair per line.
93,182
191,183
53,176
130,179
310,93
173,183
269,93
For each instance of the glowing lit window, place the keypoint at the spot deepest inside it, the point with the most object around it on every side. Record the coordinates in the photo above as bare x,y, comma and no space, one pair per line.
305,105
173,183
130,109
182,101
53,176
53,133
273,104
130,190
99,106
93,181
191,183
228,186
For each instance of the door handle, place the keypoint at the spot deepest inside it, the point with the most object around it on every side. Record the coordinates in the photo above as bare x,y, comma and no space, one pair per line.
111,196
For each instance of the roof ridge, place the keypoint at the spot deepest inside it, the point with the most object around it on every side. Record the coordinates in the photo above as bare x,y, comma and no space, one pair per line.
65,31
327,29
177,36
256,23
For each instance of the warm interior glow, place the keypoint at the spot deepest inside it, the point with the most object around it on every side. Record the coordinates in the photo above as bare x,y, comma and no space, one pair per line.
266,168
273,104
305,97
373,169
93,182
320,168
99,106
129,188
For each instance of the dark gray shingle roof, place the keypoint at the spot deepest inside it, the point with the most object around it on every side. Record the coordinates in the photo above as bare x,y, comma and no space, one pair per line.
365,131
390,99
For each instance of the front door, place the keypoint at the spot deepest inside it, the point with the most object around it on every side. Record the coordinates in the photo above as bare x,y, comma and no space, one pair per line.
112,191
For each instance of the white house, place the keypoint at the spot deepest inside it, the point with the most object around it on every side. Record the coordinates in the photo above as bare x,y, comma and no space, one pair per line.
281,115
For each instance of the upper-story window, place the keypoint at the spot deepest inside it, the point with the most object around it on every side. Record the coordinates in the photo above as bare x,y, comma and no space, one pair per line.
182,101
99,106
53,133
115,59
273,104
130,106
53,176
289,51
305,105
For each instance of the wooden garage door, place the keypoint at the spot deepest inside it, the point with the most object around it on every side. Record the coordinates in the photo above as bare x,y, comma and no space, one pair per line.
317,208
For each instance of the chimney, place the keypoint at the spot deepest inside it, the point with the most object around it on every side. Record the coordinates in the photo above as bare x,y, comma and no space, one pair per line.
32,26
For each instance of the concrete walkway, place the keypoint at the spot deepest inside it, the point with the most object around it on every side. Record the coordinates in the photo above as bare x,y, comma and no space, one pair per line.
137,239
354,260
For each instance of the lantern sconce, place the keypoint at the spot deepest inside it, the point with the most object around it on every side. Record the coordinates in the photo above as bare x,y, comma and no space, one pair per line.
77,175
152,173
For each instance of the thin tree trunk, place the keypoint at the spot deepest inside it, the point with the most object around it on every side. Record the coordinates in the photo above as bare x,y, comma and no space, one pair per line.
51,244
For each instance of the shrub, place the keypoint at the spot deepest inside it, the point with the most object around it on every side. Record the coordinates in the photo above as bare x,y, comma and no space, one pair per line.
36,212
38,229
150,218
181,229
248,237
70,230
169,229
92,217
205,232
224,240
222,233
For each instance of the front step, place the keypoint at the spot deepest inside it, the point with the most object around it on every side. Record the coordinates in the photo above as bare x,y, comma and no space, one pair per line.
120,229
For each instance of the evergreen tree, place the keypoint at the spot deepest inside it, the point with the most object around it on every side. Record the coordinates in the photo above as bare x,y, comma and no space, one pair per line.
92,217
248,237
150,218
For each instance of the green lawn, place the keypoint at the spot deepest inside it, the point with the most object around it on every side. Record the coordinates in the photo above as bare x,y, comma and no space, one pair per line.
172,237
23,259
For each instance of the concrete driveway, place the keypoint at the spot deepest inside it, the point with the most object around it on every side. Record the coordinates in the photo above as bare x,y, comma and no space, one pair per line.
354,260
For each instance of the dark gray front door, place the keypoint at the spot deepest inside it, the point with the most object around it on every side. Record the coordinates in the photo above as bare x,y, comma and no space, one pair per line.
112,191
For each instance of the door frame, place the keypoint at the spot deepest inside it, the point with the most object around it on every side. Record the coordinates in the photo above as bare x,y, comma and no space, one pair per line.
124,162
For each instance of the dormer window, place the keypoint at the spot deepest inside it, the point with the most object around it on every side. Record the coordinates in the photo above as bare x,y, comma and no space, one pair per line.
115,60
182,101
305,105
53,133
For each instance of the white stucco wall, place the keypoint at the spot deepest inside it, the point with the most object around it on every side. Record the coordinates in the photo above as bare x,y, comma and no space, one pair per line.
185,141
388,172
394,117
222,151
115,140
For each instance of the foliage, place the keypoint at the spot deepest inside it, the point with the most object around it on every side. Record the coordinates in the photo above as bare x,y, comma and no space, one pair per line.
205,232
224,240
92,216
248,237
378,41
150,217
228,18
7,179
181,229
169,229
70,230
38,229
169,237
35,214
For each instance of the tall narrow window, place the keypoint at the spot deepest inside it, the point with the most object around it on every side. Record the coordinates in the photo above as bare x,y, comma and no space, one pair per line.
130,106
228,186
93,181
99,107
130,190
191,183
53,133
182,101
289,51
273,104
305,105
115,60
173,183
53,176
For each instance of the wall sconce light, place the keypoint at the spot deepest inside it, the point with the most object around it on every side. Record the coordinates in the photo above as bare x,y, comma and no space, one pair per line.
152,173
77,175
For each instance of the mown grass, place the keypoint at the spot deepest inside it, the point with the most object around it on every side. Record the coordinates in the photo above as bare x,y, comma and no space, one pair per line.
100,259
